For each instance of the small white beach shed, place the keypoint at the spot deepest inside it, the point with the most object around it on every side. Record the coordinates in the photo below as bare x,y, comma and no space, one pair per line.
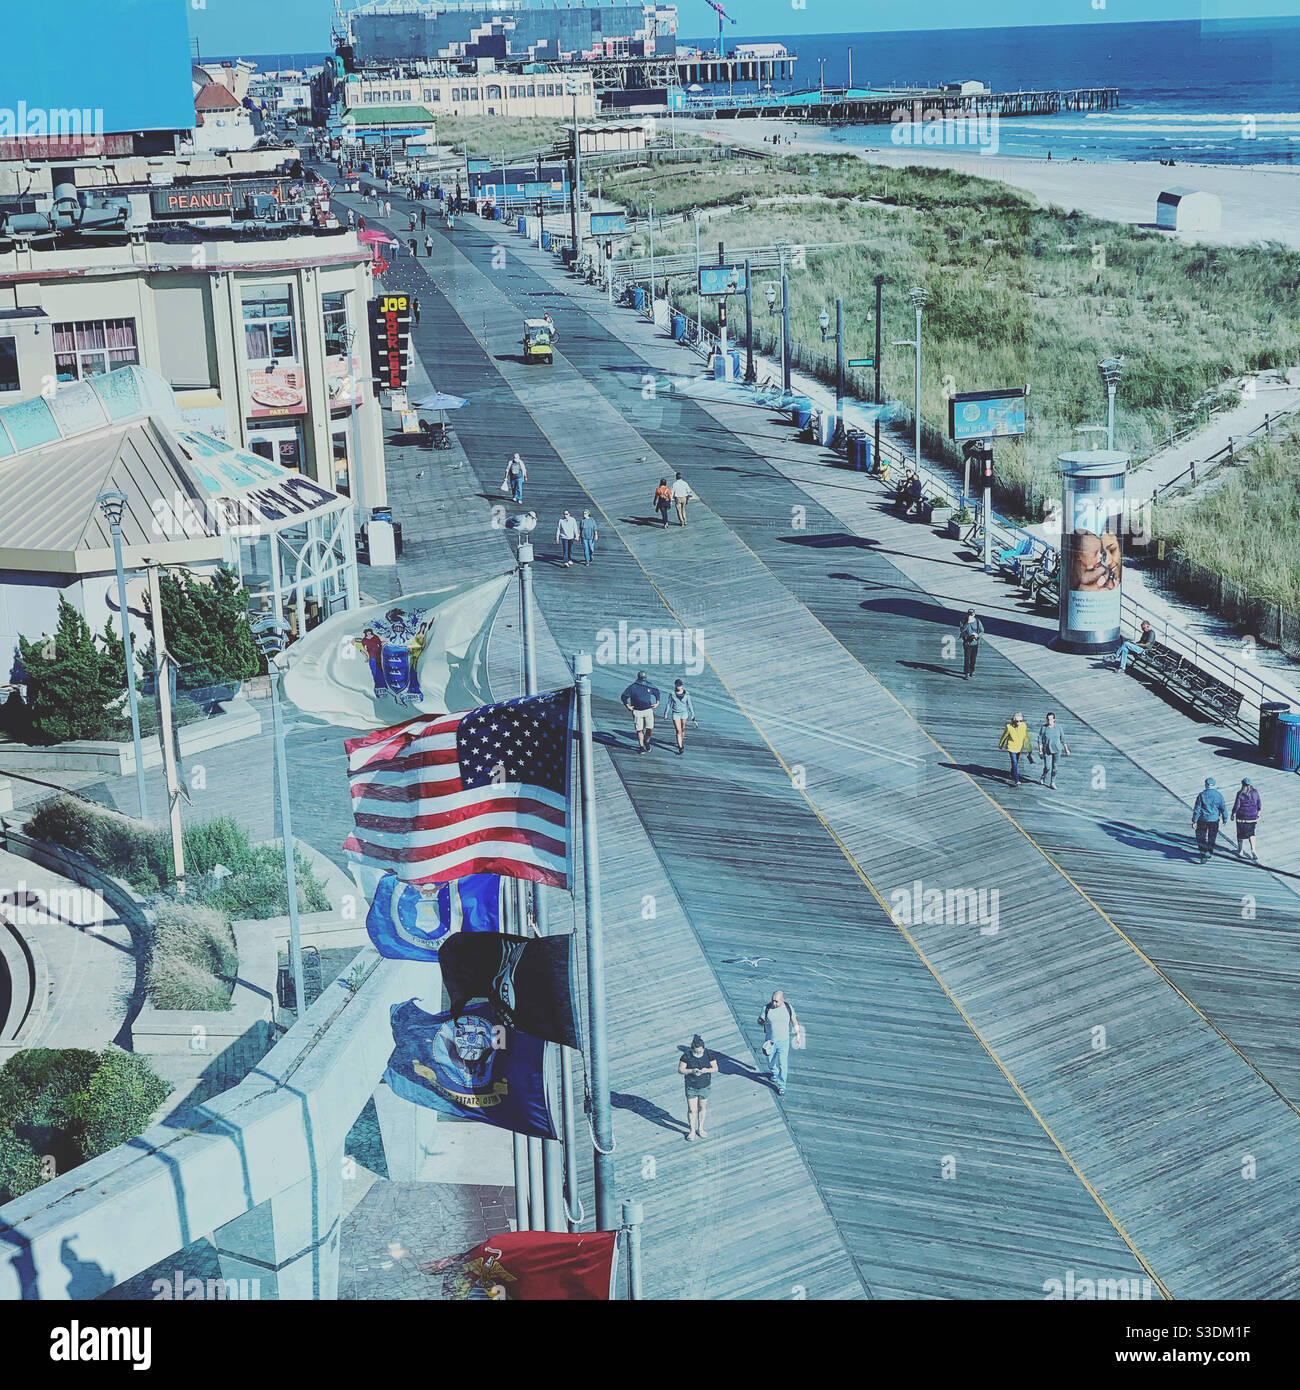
1188,210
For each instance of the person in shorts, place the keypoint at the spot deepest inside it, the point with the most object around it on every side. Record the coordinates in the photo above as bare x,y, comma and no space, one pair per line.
1246,810
642,699
698,1066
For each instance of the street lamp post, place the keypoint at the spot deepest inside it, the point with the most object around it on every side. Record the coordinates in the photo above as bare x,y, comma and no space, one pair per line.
1111,368
270,637
750,374
112,504
880,318
919,299
824,322
785,324
699,298
650,204
577,175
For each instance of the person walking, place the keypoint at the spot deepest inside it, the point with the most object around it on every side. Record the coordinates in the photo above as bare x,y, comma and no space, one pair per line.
642,699
972,633
424,218
566,532
1053,747
388,208
415,249
1209,812
361,223
699,1066
1128,650
681,494
516,477
780,1029
415,307
663,500
410,222
428,244
588,534
1015,739
352,218
1245,811
680,709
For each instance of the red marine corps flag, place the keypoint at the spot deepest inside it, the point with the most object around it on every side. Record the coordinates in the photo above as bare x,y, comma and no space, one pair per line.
526,1266
484,792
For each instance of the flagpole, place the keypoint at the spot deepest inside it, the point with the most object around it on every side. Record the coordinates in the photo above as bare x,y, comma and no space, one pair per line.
602,1126
545,1156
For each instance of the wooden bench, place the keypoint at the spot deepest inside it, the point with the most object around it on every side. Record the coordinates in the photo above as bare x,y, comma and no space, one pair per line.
1187,684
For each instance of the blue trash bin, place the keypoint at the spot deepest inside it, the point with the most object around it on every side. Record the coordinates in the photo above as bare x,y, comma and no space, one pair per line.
679,327
1286,752
521,224
803,416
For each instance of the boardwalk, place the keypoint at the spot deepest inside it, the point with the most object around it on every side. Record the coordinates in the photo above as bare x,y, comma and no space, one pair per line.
839,766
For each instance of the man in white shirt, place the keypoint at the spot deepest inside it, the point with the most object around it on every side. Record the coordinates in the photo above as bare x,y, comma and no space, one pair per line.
682,494
566,532
781,1027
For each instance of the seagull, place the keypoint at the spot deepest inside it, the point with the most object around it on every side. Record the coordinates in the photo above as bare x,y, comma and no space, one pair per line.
420,473
752,961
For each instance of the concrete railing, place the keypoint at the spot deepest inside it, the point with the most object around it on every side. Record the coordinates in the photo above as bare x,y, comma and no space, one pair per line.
258,1167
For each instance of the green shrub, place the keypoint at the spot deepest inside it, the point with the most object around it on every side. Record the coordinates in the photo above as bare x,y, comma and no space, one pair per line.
138,853
258,890
193,960
221,840
75,682
72,1105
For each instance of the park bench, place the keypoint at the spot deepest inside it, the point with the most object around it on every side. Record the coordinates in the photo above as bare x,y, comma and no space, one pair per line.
1188,685
1009,561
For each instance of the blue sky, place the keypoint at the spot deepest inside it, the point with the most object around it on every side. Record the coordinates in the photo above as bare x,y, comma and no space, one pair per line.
256,26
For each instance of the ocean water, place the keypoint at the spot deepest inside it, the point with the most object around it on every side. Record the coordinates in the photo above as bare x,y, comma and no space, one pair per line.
1212,93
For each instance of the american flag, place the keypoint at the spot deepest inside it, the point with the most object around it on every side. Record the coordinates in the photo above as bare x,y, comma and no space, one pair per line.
485,792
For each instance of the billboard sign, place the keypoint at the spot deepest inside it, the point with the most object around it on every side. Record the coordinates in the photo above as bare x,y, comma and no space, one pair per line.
608,223
986,414
390,336
722,279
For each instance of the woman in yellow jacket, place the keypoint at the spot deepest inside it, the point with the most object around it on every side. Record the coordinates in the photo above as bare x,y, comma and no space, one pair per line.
1015,739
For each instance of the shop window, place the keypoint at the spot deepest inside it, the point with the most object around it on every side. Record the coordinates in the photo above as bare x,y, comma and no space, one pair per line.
514,92
268,324
91,347
494,93
9,365
334,316
342,479
532,91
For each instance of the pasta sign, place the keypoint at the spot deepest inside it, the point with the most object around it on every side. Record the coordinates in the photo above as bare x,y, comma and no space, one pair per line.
390,338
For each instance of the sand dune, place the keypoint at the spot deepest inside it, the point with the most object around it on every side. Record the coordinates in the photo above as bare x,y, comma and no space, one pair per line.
1260,202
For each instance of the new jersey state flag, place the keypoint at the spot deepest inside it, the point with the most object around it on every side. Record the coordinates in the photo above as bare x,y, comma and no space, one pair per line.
472,1067
410,922
369,668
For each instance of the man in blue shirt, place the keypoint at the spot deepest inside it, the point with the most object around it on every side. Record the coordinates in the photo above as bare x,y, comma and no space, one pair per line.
780,1027
1209,812
642,699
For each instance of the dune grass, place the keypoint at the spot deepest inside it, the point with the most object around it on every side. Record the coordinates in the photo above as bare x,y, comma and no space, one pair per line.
1245,528
1018,295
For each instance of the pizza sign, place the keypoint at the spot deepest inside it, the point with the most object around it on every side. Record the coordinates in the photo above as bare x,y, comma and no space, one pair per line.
390,322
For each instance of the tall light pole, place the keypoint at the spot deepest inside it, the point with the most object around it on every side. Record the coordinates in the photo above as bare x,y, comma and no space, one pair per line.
784,311
576,190
166,734
269,634
919,298
699,298
880,319
112,504
650,205
824,322
1111,368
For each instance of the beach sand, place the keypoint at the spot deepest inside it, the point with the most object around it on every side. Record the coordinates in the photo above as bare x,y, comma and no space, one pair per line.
1261,203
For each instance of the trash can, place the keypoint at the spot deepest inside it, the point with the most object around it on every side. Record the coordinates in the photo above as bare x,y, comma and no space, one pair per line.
1287,756
523,225
803,414
735,364
546,241
638,298
679,327
855,453
1268,713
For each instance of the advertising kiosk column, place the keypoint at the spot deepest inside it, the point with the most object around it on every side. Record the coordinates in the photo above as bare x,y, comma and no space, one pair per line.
1092,554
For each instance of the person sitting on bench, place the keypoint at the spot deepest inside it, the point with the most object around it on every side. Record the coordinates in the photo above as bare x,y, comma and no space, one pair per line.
1128,650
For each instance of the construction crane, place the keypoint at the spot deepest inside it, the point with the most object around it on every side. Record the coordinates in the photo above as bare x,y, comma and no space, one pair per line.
722,14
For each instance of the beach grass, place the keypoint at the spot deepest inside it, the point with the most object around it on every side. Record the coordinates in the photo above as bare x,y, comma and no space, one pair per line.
1018,296
1245,528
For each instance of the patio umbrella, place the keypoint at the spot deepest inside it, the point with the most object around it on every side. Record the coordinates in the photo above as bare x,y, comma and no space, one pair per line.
441,402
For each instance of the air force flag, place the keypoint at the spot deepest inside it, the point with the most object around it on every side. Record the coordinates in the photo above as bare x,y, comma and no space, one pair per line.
407,921
472,1067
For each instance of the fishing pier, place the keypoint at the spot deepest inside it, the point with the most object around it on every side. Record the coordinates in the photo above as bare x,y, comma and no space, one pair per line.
884,108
